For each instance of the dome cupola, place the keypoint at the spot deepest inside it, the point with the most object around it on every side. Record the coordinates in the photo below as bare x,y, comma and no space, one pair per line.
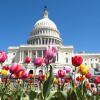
44,31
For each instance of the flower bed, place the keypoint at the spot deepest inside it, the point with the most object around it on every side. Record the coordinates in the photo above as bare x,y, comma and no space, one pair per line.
18,84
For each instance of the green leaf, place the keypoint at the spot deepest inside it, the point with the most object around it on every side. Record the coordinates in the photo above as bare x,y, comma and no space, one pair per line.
51,95
73,95
64,95
32,95
47,84
39,96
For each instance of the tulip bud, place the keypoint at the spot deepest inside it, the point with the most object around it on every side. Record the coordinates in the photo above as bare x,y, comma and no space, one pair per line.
3,57
83,69
38,61
77,61
27,59
88,75
61,73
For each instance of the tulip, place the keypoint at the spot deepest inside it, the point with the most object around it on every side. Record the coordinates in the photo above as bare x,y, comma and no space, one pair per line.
41,77
23,74
83,69
50,52
4,72
38,61
30,81
55,81
30,75
80,78
61,73
3,57
97,80
12,76
88,85
46,76
6,67
68,69
88,75
15,68
67,80
77,61
27,59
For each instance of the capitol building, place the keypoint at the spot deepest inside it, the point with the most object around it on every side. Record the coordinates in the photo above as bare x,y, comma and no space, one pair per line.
44,33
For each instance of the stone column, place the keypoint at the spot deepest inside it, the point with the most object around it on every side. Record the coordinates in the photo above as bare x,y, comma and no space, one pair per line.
30,53
23,57
19,56
45,41
41,41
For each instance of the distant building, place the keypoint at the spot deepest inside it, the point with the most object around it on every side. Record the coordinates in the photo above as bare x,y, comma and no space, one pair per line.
44,33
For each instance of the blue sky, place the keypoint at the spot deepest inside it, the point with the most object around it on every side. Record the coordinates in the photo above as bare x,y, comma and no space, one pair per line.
77,20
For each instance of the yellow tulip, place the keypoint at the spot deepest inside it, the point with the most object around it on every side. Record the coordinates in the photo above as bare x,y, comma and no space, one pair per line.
46,76
4,72
83,69
55,81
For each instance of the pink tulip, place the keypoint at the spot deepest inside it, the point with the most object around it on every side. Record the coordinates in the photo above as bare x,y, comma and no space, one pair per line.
38,61
50,52
27,59
15,68
61,73
47,61
3,57
68,69
12,76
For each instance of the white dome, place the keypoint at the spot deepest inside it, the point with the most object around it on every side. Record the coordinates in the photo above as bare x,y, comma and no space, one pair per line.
45,23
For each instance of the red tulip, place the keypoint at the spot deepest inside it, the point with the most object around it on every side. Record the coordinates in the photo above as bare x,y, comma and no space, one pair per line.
97,80
41,77
61,73
50,52
30,81
30,75
77,61
78,78
27,59
38,61
67,80
6,67
3,57
15,68
88,75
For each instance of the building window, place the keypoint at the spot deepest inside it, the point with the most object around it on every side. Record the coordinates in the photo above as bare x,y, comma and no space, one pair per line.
91,59
96,59
26,53
66,60
14,53
92,65
42,40
33,54
66,53
39,53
